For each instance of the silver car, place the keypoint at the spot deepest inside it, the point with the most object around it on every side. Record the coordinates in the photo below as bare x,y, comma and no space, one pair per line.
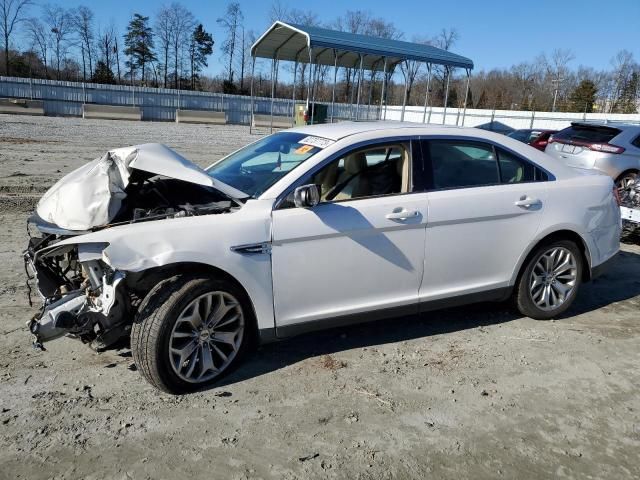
612,148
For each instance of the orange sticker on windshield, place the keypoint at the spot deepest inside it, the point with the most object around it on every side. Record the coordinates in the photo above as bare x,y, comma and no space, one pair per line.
303,149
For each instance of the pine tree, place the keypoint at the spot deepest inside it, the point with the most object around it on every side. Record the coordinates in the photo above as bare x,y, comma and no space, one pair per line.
583,97
200,47
629,95
139,44
103,74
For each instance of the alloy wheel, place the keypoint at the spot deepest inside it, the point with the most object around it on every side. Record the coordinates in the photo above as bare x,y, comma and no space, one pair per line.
206,337
553,278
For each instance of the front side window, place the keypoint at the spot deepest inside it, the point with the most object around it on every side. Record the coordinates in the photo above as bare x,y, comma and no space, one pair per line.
457,164
258,166
362,173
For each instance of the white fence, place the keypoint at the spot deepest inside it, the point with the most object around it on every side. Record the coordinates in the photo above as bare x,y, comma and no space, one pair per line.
501,120
160,104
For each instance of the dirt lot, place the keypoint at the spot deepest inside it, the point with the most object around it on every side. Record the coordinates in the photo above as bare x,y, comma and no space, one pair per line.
474,392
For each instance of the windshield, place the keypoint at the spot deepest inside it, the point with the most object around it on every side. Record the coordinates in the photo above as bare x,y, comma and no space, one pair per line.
258,166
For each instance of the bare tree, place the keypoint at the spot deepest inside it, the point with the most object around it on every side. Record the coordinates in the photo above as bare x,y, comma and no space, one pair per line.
244,55
182,23
354,21
445,40
106,46
39,38
278,11
525,75
83,27
557,68
623,68
164,32
11,13
59,23
116,49
410,69
231,22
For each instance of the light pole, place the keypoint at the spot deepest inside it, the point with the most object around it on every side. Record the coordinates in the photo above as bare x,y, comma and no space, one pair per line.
556,82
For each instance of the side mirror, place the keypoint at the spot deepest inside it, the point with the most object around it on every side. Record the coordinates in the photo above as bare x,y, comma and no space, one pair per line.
306,196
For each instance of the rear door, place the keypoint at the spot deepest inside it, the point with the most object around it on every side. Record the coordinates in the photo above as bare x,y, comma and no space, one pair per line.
485,207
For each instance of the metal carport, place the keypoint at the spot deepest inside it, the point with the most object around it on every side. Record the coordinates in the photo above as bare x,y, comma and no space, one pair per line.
321,46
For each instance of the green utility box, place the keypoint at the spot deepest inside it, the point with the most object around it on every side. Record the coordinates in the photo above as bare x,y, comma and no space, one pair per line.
303,115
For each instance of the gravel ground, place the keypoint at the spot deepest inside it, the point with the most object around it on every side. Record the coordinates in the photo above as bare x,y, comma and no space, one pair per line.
476,392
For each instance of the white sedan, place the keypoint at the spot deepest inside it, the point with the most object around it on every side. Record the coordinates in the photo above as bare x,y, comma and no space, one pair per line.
309,228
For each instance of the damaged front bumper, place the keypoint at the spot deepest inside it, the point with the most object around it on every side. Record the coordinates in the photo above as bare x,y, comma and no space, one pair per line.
81,296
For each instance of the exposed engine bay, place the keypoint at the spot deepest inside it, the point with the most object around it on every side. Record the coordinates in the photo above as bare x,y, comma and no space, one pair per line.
81,295
630,207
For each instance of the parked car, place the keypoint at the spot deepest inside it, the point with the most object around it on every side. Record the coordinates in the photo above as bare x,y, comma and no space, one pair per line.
309,228
537,138
612,148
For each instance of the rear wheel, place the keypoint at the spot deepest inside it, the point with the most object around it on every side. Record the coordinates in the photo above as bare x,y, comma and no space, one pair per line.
550,280
190,331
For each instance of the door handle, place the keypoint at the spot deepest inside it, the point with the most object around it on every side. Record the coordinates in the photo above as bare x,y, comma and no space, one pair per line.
528,202
402,215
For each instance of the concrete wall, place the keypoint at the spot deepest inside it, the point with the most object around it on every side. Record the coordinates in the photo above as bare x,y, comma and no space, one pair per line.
21,106
200,116
111,112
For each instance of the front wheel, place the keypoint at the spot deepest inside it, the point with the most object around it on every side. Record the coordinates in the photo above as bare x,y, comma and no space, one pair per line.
550,280
189,332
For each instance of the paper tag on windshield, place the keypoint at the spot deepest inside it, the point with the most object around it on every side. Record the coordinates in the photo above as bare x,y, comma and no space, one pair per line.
303,149
316,141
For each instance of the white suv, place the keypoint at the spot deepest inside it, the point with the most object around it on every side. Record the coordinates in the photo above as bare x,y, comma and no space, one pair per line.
308,228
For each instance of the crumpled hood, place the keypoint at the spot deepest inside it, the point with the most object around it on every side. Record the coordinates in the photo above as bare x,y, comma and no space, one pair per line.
92,195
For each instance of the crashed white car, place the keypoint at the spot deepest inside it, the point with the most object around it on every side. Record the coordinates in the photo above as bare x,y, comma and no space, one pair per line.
308,228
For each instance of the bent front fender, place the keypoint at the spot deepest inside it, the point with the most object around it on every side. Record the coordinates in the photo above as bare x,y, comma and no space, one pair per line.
206,239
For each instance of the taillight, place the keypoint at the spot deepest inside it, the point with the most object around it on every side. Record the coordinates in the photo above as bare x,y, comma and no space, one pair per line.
605,147
616,195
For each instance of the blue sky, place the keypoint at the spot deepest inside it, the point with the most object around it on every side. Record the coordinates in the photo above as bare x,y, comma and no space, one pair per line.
493,33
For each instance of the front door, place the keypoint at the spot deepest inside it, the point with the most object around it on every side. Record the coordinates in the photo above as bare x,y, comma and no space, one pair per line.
360,249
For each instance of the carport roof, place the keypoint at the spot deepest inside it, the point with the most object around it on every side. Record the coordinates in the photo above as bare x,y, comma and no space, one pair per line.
289,41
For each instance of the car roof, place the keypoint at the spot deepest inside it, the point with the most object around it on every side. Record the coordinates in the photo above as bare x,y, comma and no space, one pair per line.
337,131
620,125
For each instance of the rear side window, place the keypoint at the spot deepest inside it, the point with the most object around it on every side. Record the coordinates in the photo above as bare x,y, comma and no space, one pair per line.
636,142
587,134
457,164
515,170
464,164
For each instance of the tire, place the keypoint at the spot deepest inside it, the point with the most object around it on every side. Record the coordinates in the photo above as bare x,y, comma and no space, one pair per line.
171,353
530,299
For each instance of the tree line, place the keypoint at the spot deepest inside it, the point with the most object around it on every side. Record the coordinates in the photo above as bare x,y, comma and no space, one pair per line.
171,49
